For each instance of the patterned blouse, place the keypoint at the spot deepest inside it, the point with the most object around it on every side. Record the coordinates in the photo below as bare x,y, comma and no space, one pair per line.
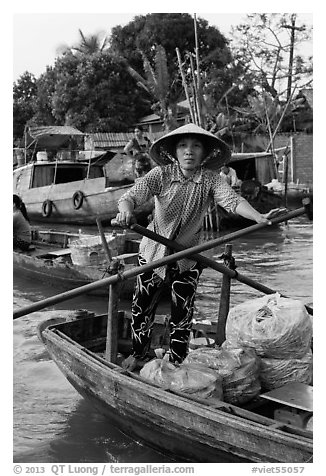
180,207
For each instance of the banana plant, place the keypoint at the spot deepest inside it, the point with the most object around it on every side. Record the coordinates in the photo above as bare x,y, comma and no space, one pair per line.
157,84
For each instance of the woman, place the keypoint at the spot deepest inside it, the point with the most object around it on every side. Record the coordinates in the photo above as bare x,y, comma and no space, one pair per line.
183,187
22,234
138,144
137,148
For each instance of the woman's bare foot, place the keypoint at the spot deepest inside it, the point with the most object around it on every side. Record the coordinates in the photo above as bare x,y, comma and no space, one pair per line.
130,363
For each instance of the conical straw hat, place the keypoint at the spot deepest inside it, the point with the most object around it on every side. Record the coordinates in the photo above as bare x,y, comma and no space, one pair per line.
218,152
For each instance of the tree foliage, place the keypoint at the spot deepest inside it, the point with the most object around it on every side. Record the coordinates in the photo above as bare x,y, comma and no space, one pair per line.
87,45
170,30
44,114
107,84
142,40
94,93
24,102
267,71
264,45
157,84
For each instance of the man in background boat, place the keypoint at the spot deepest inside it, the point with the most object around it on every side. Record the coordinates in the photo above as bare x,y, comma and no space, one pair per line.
142,165
230,176
22,235
183,186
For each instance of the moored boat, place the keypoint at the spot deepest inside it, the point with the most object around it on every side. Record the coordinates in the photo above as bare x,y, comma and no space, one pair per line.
65,260
253,171
58,185
291,193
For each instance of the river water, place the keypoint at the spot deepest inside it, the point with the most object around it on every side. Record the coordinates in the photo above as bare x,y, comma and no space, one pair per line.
53,424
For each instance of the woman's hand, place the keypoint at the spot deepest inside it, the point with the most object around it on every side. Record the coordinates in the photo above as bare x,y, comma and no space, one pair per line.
266,217
246,210
125,218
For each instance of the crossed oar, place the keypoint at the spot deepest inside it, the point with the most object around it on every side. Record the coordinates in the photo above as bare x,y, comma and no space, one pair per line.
180,254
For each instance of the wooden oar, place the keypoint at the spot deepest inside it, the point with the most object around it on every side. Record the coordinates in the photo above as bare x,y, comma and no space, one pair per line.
103,239
141,269
207,262
232,236
131,273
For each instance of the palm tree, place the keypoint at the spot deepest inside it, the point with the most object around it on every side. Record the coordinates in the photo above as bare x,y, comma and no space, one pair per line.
87,45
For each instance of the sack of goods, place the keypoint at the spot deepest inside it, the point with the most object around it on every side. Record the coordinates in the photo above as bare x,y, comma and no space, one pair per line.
275,373
274,326
190,379
238,368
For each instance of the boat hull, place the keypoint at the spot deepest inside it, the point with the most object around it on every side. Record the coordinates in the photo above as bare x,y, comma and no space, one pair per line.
49,261
294,197
265,202
64,276
188,429
56,203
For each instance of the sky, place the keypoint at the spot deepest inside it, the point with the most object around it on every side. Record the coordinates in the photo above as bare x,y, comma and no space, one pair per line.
37,35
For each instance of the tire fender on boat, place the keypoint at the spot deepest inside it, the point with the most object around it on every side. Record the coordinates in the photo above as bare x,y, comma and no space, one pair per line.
77,199
47,206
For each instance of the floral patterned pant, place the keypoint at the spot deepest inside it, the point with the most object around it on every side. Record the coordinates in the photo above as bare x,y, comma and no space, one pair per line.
148,289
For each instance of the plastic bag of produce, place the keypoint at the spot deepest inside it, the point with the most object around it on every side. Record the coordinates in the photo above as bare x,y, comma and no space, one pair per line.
239,369
275,373
310,424
274,326
242,384
191,379
218,359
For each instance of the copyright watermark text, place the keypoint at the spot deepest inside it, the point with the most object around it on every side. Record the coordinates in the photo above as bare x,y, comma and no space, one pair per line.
104,469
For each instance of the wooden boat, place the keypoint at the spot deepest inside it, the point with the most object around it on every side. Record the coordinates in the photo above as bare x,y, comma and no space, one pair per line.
89,348
58,187
292,194
259,197
192,429
66,260
253,171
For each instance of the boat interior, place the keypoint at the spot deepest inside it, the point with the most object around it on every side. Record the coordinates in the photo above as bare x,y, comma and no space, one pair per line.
52,245
288,408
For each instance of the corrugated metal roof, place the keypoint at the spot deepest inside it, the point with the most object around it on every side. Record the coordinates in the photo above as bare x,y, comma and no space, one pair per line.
116,140
103,140
150,118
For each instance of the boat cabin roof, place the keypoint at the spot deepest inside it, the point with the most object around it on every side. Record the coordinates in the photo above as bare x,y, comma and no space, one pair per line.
51,137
